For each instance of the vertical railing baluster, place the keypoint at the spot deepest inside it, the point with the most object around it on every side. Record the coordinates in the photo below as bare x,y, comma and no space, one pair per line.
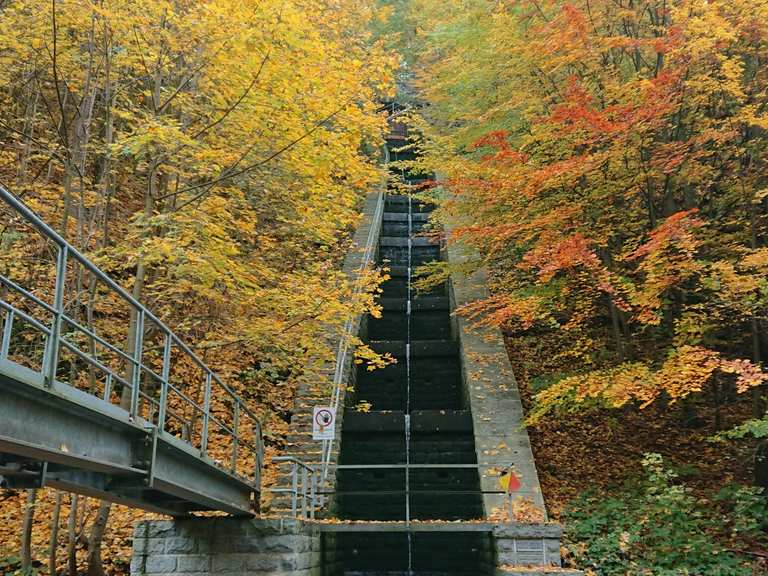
137,355
7,331
303,492
259,447
51,354
108,387
167,348
294,488
313,492
206,413
235,434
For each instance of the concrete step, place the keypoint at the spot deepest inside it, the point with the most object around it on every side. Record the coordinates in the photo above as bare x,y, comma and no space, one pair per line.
427,303
397,241
403,217
418,347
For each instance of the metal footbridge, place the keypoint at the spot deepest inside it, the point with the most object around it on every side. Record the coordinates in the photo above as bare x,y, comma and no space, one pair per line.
99,397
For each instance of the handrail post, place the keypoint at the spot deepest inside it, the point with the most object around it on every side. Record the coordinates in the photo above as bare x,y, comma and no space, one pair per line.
7,331
108,387
313,492
165,376
294,488
137,353
206,413
235,434
259,442
303,492
51,354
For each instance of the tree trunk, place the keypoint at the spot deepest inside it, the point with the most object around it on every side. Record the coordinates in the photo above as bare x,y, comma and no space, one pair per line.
616,329
99,525
72,536
54,540
758,402
29,128
98,529
26,531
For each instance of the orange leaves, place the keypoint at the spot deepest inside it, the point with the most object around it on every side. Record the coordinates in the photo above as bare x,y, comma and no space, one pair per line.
665,261
506,311
496,139
676,232
687,370
560,254
669,156
571,254
748,374
579,111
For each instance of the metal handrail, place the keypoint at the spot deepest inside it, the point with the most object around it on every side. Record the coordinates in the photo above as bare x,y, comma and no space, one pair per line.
306,496
303,487
55,341
403,466
343,348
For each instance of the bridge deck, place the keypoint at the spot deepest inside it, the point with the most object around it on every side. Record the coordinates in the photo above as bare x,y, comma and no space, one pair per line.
139,420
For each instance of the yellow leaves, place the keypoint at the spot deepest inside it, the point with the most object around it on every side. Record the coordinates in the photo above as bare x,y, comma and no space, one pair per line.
373,361
687,370
666,260
363,406
757,259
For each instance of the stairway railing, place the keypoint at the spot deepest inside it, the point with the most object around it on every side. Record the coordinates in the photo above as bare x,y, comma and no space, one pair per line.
307,496
303,488
136,378
343,348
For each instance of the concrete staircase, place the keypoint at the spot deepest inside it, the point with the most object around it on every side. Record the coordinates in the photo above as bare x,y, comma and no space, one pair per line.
403,508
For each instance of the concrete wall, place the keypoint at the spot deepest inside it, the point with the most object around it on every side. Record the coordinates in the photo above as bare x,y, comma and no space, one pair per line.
501,439
527,544
202,546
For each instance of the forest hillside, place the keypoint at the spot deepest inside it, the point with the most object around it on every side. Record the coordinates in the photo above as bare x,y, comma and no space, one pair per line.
607,160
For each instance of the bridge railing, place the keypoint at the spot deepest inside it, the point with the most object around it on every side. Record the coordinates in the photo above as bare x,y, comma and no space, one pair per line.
69,321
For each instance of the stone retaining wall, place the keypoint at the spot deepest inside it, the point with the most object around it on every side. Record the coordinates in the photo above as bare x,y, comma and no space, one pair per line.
501,439
202,546
527,544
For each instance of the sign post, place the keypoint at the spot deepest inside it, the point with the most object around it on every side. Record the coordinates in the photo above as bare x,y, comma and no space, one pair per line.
323,423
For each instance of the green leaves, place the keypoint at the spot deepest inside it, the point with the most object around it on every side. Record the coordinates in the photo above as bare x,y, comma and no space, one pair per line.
656,526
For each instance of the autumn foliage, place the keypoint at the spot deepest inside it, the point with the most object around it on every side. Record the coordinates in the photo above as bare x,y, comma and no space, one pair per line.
607,160
211,156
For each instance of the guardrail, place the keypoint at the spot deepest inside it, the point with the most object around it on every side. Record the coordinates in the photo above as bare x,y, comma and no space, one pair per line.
306,496
303,487
343,348
151,374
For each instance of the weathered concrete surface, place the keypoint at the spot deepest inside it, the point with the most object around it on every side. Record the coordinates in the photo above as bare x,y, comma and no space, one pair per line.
527,544
203,546
501,439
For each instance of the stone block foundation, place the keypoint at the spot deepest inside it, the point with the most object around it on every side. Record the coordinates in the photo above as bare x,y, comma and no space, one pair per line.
202,546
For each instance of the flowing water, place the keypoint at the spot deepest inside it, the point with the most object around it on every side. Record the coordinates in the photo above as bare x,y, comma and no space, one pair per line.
418,424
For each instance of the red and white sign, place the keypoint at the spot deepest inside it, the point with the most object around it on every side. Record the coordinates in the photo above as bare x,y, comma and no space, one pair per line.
323,423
